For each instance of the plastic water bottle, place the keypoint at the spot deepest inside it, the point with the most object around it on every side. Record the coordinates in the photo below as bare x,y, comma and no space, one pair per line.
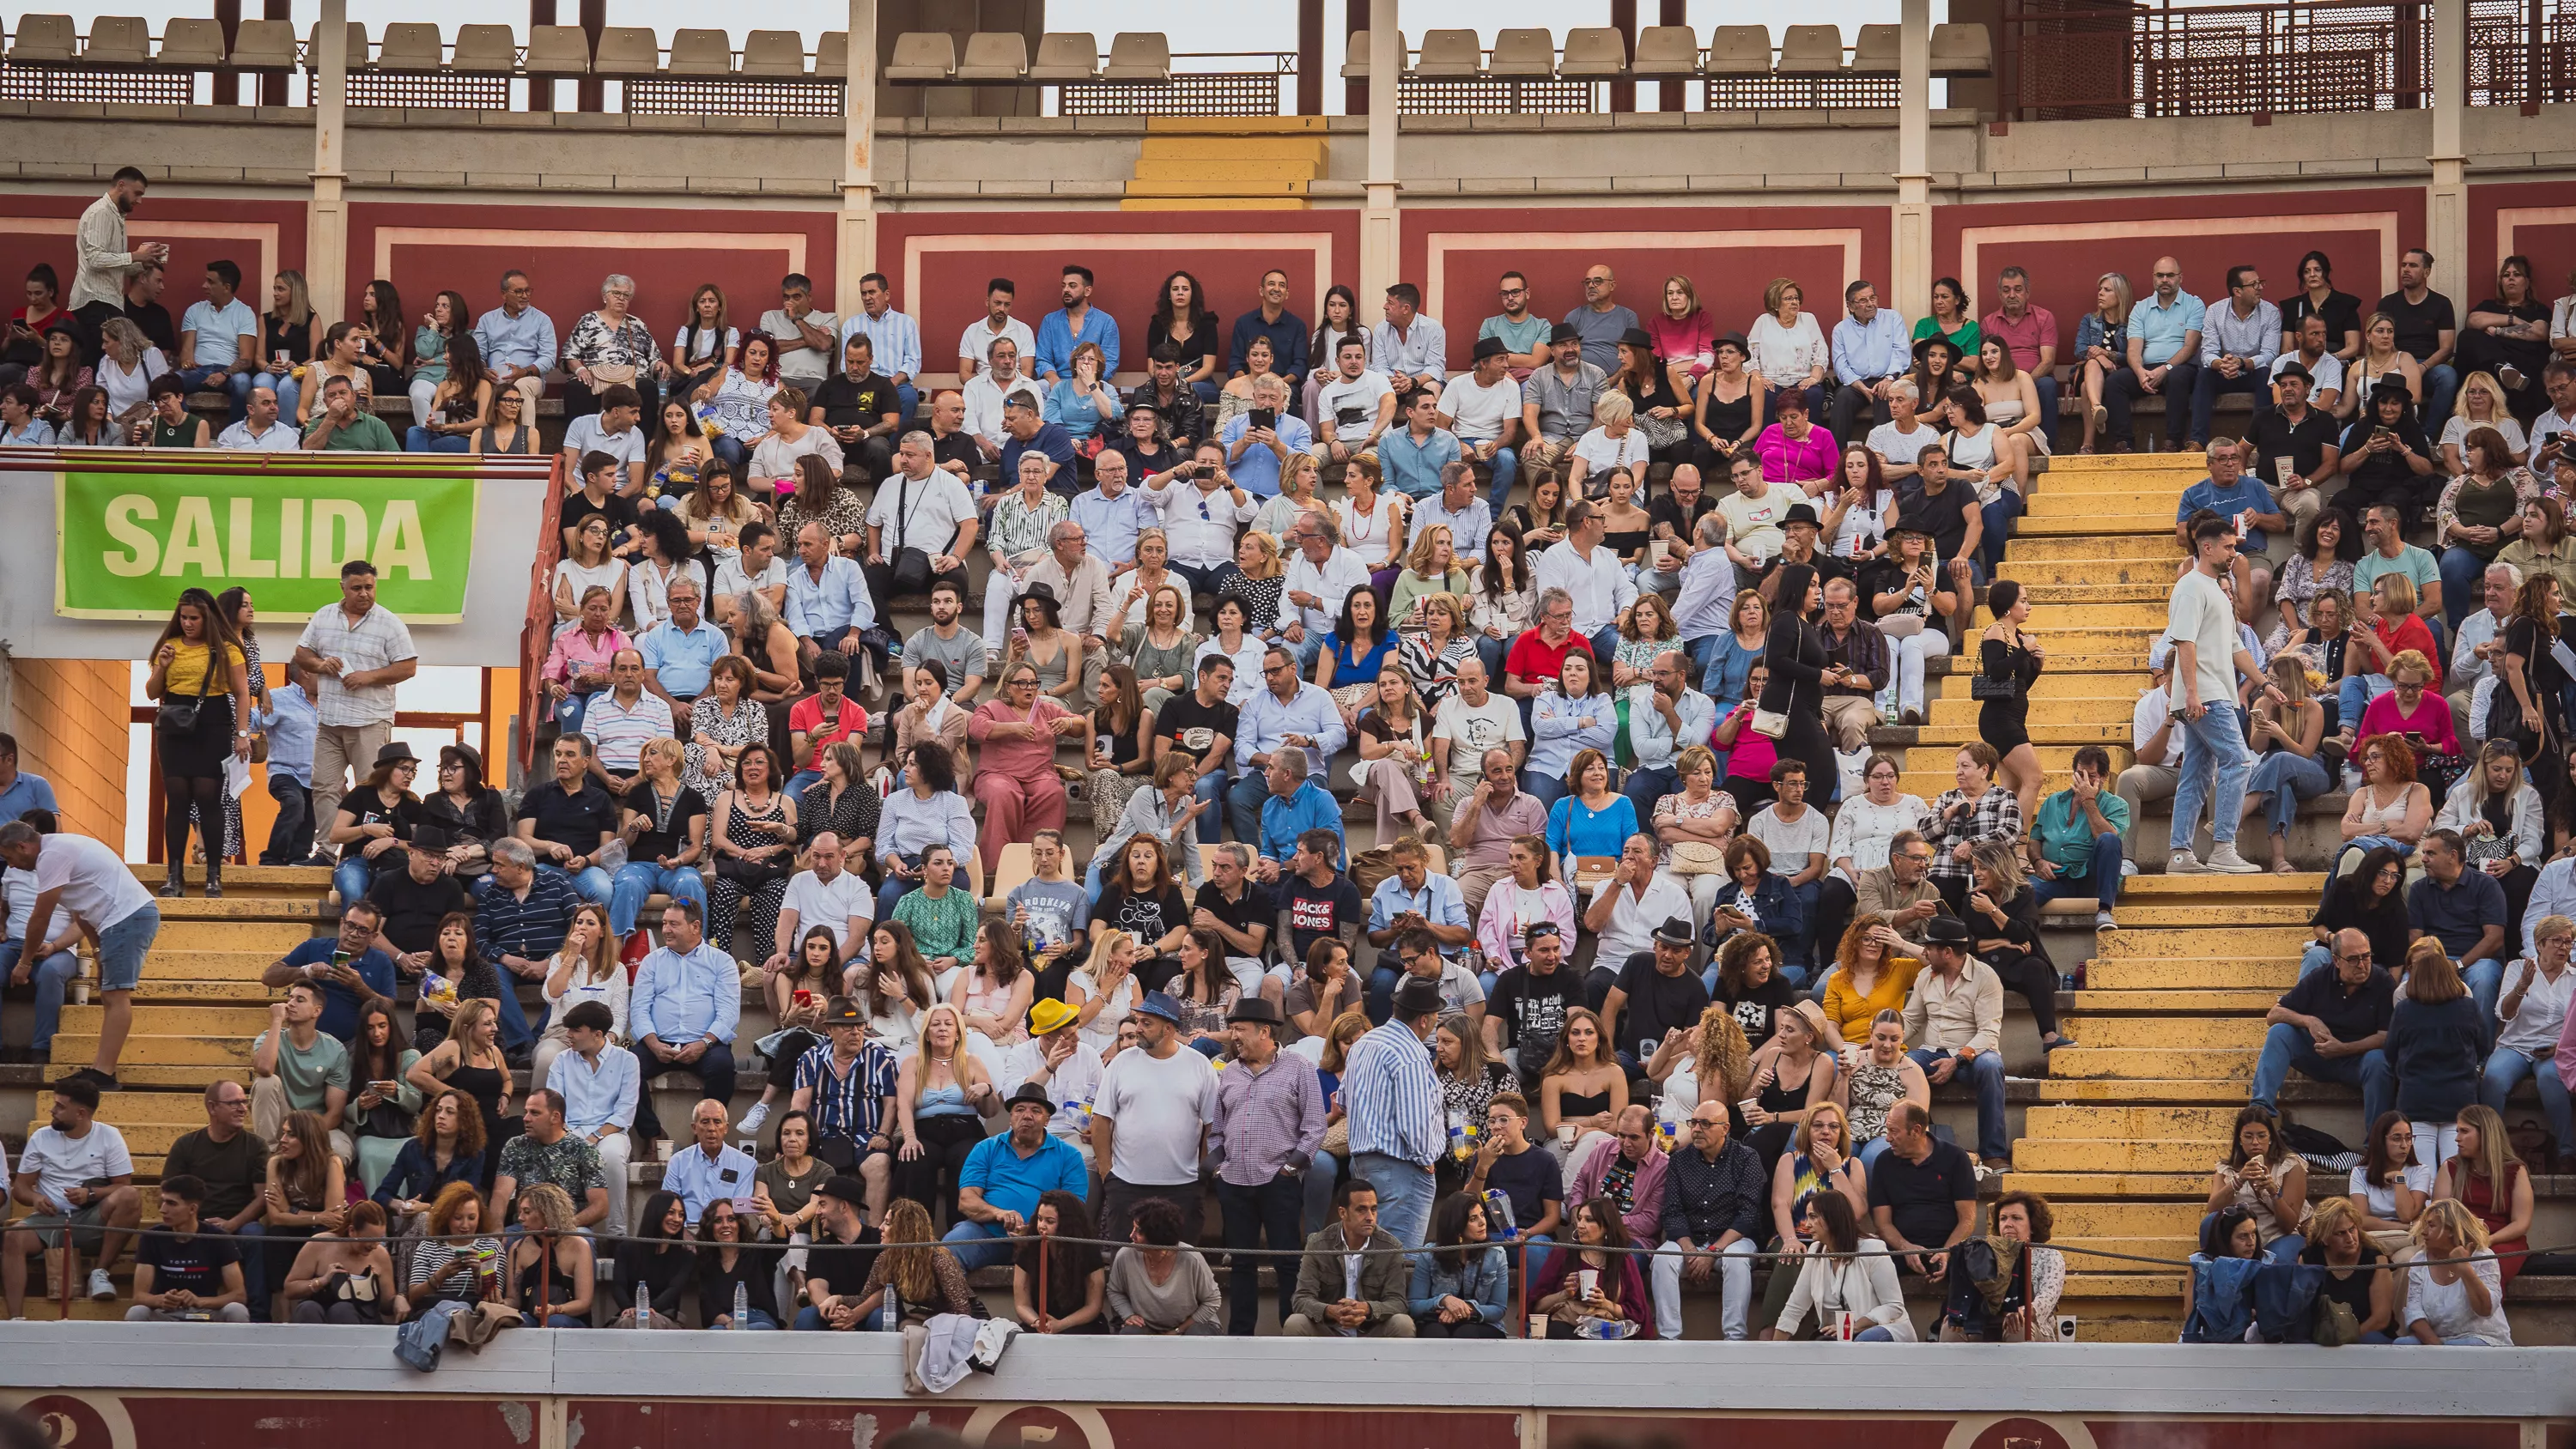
741,1305
1498,1215
890,1313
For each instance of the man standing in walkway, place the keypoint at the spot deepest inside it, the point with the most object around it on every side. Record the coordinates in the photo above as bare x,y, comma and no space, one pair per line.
1269,1122
106,261
92,884
2207,655
1393,1102
355,652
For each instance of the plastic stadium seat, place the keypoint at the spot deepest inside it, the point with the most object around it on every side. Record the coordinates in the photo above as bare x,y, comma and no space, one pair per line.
43,38
832,55
1447,55
408,45
1139,55
1664,52
1881,50
1523,55
191,43
995,55
1739,50
486,49
701,52
1966,48
1355,56
1066,56
555,50
773,53
627,50
922,56
1811,50
118,40
264,45
1594,52
357,46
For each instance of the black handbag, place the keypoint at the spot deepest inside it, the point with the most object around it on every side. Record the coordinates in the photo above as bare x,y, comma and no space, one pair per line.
178,717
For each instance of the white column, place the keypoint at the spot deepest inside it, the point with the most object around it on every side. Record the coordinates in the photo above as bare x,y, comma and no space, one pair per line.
855,255
2446,196
1380,227
1910,220
326,219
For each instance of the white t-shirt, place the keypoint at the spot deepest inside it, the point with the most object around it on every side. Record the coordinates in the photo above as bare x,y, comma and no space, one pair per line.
1791,842
730,579
932,511
19,886
584,435
1865,523
95,882
2380,1200
1633,920
795,359
1753,524
62,1163
1161,1107
1892,446
1473,729
710,349
978,339
817,904
1350,403
2200,614
2324,375
2533,1031
1602,452
2154,708
1481,411
2456,432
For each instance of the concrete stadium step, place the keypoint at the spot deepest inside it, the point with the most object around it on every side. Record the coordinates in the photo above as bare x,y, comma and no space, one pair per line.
2192,1187
2179,1033
209,966
128,1110
2175,1003
2098,714
2088,528
2094,1255
139,1075
2055,743
274,937
2251,913
2140,544
2084,594
164,992
196,910
2145,573
2110,977
2184,939
2111,468
146,1050
2138,1089
2099,1220
2128,1123
175,1021
2133,1283
2209,1064
2106,1154
307,881
2092,616
2053,503
2178,889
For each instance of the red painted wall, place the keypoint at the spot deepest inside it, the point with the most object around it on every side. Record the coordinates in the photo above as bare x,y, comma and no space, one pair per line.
2206,234
162,219
940,263
836,1426
2550,243
2015,1432
1461,286
566,251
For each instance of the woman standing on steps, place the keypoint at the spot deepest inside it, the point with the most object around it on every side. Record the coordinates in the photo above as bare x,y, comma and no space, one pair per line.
200,676
2009,663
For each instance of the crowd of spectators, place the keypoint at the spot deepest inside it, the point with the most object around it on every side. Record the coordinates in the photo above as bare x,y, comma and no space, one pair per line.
1623,720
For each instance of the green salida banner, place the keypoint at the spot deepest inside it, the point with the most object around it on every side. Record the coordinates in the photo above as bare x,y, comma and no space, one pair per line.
129,542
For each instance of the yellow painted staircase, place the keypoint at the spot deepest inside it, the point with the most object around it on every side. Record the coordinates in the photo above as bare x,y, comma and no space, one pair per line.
1246,163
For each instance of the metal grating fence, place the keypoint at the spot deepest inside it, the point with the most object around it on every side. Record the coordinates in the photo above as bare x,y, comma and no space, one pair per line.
1838,92
1224,93
429,90
1416,97
113,87
735,96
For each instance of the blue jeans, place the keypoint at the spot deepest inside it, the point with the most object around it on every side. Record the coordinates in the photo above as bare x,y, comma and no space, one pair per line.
198,379
2286,1046
288,391
1988,1069
2045,384
1546,789
1999,516
563,1320
2101,875
52,974
797,782
2486,982
2441,384
1643,787
978,1245
638,879
417,439
908,398
2287,778
2212,746
1507,469
351,879
1403,1195
1379,997
2211,382
730,448
590,882
2507,1067
810,1320
2354,694
254,1264
1211,824
2462,573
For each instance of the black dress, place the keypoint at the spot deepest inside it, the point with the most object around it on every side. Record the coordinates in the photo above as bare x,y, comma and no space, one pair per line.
2005,723
483,1084
1795,655
2023,964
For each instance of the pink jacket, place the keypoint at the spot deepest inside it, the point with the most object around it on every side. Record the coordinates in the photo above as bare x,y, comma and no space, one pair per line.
1646,1219
574,652
1498,931
1784,461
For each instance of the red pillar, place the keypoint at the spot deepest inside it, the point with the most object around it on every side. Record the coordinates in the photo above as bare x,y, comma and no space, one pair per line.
1310,57
228,84
541,90
1674,12
1355,99
594,18
272,88
1623,16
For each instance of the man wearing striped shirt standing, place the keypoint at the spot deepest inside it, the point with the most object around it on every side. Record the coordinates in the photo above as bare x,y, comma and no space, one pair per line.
1393,1103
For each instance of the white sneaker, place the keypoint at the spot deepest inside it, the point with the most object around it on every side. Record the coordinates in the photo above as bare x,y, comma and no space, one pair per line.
2184,863
752,1119
2102,921
2128,868
2224,859
101,1288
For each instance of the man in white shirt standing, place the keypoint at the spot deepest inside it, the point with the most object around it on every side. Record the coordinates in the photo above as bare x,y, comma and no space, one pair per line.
55,1175
2201,621
1320,575
1483,407
356,651
98,286
1591,576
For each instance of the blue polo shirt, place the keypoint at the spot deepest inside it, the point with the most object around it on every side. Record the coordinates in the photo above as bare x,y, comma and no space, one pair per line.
2160,329
1013,1184
2227,503
27,792
1414,469
339,1003
2457,914
684,660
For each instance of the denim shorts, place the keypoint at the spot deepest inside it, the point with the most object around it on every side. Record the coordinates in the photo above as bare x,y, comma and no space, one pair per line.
122,947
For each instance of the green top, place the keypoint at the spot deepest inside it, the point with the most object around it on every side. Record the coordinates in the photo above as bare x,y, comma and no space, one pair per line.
367,434
182,434
944,927
1410,586
2065,839
404,1108
306,1074
1967,339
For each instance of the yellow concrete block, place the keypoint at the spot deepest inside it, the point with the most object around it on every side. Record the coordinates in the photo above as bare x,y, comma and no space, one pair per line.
278,937
2125,1219
2253,999
177,1021
2141,541
2109,1155
2153,1062
2171,1033
158,1051
2247,914
1201,171
2130,1123
1210,203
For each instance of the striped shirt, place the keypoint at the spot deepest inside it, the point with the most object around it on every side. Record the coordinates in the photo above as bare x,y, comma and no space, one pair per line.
1391,1097
849,1107
894,341
1265,1119
376,640
505,925
619,732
